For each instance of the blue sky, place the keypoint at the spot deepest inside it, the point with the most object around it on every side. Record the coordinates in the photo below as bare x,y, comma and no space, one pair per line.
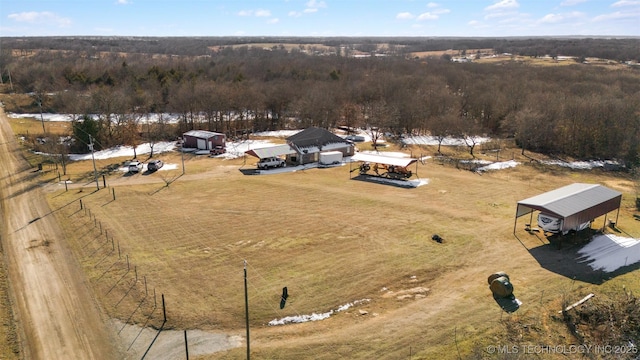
319,17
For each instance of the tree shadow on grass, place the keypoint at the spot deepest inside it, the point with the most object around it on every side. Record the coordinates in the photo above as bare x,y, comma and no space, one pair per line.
167,182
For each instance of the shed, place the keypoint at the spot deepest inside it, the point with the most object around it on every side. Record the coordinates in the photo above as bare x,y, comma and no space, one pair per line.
574,204
203,140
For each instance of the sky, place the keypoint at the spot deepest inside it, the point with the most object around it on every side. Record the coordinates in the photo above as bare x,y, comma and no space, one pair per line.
465,18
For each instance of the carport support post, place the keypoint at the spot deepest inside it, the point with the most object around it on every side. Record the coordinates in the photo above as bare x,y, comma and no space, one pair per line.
113,190
104,181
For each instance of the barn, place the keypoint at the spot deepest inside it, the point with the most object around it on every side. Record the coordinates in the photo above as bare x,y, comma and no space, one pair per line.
571,206
204,140
310,142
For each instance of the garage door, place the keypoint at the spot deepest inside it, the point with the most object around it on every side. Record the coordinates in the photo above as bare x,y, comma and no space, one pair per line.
202,144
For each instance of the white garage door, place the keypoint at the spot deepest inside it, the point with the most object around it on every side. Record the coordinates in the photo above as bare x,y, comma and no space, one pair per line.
202,144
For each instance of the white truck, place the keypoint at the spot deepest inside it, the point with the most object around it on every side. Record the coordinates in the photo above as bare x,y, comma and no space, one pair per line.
270,162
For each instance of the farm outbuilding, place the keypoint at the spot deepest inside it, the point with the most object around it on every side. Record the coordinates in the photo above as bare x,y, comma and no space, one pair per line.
204,140
573,205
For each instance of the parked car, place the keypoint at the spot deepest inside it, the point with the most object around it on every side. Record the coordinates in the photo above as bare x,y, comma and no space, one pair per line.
270,162
135,167
218,150
154,165
355,138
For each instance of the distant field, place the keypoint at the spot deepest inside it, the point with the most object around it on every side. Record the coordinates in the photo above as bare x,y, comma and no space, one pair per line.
331,240
451,52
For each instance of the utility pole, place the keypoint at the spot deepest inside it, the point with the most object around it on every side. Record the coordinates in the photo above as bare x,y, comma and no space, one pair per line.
246,307
95,171
44,132
182,155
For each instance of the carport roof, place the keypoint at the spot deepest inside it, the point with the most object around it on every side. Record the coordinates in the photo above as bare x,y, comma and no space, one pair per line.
271,151
572,199
387,160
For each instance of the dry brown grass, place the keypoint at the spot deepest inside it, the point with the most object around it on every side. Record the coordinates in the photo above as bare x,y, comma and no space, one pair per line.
331,241
33,126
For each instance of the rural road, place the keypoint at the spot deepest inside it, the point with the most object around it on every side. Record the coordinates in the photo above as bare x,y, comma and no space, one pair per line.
56,315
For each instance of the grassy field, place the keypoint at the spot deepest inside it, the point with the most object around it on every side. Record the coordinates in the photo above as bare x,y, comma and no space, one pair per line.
332,241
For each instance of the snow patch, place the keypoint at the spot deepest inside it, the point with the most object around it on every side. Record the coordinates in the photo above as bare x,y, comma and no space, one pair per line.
121,150
314,317
610,252
499,165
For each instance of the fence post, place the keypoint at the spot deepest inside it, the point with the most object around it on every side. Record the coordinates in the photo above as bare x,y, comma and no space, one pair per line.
186,344
164,309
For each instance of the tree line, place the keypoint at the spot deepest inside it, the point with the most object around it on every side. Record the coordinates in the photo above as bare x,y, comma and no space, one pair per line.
619,49
581,111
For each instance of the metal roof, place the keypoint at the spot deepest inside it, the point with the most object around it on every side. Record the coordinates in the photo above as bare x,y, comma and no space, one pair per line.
380,159
202,134
575,203
314,136
270,151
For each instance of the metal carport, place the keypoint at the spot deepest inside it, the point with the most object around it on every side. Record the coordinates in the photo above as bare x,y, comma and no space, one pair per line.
271,151
575,204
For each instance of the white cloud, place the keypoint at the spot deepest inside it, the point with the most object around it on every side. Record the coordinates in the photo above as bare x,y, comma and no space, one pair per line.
432,5
556,18
310,10
618,15
123,2
405,16
316,4
294,13
503,4
42,17
500,14
273,21
551,18
258,13
427,16
625,3
571,2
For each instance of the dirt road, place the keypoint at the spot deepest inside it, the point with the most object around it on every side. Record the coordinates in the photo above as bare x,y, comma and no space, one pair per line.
57,318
